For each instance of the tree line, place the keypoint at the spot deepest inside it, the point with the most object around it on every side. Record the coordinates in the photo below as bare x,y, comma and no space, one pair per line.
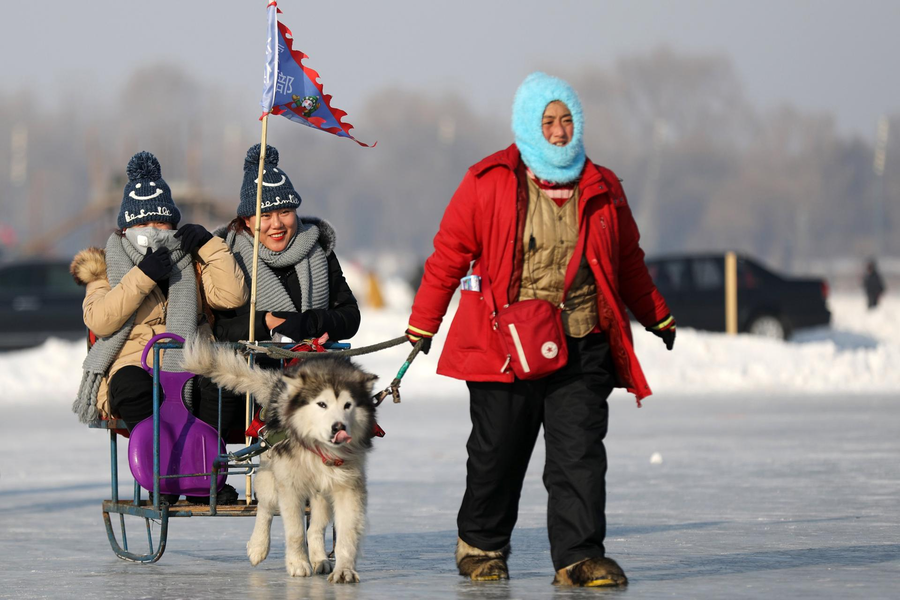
703,168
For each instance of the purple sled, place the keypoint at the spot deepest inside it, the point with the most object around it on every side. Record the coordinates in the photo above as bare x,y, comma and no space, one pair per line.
187,445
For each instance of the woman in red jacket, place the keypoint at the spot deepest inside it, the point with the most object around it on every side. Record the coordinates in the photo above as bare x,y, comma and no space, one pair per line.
539,220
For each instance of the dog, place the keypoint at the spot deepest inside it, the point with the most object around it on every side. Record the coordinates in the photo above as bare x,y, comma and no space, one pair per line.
325,406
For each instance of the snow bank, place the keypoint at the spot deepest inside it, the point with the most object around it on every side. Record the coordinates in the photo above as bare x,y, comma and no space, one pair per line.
859,354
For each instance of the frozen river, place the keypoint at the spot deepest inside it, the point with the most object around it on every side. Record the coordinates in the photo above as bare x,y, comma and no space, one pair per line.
756,496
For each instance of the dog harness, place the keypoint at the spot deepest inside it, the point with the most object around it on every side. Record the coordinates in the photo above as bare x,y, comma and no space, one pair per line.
333,461
327,459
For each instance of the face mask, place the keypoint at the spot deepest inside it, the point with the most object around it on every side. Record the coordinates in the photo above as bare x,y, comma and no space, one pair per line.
150,237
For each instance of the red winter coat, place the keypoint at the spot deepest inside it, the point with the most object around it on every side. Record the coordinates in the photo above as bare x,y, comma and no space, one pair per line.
480,225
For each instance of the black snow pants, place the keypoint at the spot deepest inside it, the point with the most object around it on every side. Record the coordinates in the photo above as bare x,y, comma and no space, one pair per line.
206,407
506,417
131,395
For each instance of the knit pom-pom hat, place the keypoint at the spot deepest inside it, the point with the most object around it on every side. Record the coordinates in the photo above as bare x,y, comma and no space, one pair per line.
277,191
558,164
147,196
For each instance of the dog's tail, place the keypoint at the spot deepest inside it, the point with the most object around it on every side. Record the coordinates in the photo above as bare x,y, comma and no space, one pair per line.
229,370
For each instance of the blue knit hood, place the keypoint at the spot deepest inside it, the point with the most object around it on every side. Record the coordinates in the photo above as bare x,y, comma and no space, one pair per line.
558,164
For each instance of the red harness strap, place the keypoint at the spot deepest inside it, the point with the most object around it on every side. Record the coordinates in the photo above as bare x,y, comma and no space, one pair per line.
327,460
258,423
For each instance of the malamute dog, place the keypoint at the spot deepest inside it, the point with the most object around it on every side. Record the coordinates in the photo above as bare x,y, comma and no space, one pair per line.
325,405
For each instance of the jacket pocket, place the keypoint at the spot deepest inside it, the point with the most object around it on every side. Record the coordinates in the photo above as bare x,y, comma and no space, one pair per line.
471,326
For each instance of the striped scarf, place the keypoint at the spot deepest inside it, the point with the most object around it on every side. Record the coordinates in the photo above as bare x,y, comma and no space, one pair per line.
304,253
181,318
558,192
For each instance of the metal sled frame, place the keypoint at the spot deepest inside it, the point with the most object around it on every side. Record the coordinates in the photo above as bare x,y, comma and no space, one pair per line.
151,509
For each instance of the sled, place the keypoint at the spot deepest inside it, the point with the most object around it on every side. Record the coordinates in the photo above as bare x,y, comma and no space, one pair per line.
174,442
173,452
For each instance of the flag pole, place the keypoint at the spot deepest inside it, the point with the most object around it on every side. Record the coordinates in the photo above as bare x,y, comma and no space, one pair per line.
259,186
253,281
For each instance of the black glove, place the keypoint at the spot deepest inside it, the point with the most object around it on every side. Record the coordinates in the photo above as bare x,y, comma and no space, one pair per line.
665,330
414,334
192,236
156,264
297,326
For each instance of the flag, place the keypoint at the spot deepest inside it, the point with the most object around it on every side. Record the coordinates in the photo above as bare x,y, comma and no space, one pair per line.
292,89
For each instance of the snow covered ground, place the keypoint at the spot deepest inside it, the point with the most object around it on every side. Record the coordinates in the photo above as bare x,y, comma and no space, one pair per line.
858,354
775,475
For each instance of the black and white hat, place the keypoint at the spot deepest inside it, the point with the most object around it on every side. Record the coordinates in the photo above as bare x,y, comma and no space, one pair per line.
277,191
147,196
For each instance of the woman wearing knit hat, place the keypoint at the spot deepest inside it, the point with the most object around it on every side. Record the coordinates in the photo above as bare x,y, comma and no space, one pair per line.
148,280
539,220
301,290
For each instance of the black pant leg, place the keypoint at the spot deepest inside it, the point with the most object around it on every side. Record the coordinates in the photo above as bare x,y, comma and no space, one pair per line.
575,423
506,419
131,395
206,406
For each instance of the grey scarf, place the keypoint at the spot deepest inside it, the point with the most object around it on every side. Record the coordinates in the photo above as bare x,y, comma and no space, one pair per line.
304,252
181,318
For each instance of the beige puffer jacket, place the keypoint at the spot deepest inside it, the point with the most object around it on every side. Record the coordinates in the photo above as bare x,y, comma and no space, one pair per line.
107,308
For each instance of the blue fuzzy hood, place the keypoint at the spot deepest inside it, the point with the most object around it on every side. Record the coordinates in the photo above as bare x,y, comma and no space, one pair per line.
558,164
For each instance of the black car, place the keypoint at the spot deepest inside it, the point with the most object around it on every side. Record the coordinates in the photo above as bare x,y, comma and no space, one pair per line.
39,299
768,304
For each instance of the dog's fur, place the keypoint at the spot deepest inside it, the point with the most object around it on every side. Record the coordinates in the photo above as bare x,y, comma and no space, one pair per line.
481,565
312,402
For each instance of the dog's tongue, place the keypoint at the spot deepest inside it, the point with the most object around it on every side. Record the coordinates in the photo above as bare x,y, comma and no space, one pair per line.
340,437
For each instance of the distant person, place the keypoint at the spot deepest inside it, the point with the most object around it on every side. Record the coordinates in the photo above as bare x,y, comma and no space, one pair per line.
150,279
536,218
301,290
873,284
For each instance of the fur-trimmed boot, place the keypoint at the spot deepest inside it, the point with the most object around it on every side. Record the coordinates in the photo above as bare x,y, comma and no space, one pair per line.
592,572
481,565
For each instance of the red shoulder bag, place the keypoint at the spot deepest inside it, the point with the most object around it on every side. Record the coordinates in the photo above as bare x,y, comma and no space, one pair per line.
532,330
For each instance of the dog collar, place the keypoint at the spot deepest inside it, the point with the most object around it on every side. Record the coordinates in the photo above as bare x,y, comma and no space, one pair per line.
327,459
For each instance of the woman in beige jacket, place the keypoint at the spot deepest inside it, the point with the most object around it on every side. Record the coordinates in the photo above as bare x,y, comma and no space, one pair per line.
149,279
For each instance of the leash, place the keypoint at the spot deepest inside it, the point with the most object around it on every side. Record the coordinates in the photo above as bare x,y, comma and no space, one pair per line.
270,439
277,352
394,388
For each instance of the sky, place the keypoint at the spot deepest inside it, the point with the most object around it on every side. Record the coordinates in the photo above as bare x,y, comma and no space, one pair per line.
827,56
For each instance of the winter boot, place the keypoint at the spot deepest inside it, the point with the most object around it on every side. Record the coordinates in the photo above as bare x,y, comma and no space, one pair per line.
481,565
227,495
592,572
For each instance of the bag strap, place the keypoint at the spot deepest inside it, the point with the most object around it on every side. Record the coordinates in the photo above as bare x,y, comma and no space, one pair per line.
571,271
487,292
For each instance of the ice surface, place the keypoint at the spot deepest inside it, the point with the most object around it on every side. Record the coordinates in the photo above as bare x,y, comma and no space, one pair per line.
759,496
771,486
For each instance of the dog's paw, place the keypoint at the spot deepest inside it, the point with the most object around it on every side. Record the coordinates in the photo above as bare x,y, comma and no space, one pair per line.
298,567
257,552
344,575
323,567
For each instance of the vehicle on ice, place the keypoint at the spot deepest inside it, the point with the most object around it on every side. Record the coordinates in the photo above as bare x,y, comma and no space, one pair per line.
769,304
38,300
